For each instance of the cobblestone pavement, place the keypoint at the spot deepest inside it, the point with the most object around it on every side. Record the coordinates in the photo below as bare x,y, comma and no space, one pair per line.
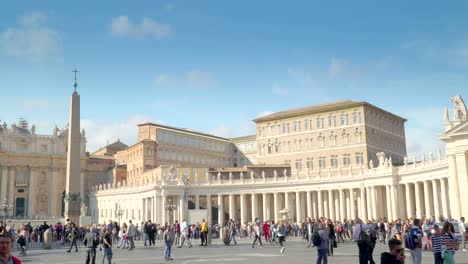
296,252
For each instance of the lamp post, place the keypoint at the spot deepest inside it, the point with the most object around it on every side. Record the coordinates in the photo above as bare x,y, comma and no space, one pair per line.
118,213
169,206
5,208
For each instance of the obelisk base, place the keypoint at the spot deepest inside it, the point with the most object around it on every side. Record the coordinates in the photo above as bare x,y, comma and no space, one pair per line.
72,211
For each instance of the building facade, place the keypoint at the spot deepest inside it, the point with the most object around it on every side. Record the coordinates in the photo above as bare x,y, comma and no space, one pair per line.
372,177
33,169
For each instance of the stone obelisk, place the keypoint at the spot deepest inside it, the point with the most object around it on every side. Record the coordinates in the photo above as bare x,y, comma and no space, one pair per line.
72,192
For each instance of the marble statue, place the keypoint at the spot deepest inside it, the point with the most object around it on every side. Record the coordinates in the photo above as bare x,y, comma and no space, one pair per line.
230,175
263,174
56,131
33,129
381,158
431,156
219,176
459,108
405,160
371,164
275,173
390,163
285,173
83,133
241,175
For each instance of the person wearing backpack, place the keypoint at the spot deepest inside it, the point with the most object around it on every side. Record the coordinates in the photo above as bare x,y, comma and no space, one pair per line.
413,241
361,236
321,240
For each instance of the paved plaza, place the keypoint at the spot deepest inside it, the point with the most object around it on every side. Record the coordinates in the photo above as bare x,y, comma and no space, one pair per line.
296,253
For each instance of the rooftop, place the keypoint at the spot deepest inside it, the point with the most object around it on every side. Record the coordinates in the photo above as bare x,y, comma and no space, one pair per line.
183,130
321,108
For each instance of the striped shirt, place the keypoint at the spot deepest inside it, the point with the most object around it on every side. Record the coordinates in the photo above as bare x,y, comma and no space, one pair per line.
437,242
450,239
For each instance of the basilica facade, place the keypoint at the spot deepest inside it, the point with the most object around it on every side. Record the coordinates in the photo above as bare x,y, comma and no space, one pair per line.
338,160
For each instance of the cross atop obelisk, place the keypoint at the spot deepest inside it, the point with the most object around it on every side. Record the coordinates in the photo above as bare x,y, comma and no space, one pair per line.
75,71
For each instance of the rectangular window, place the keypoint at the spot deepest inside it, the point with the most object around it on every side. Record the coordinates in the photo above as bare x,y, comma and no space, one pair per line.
319,122
359,158
344,120
310,164
43,148
298,165
346,160
334,162
21,177
322,163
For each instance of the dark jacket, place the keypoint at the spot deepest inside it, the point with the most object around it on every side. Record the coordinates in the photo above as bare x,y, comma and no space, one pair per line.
388,258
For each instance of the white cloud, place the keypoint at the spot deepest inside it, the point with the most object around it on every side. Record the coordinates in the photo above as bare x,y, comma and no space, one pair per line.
32,39
101,133
195,79
122,26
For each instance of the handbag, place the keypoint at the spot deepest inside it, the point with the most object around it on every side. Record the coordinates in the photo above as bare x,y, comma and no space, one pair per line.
335,245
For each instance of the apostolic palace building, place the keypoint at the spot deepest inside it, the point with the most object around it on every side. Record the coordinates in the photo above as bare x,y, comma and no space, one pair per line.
338,160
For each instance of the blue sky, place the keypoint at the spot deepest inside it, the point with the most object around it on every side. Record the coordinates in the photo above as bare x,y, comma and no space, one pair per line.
213,66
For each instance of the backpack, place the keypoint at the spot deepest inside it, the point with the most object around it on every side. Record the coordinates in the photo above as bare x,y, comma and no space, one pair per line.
409,240
373,236
363,240
316,239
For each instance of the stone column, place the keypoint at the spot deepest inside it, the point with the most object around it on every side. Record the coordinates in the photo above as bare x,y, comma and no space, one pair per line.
315,209
182,207
336,205
369,203
348,204
309,204
435,192
363,204
395,199
164,212
443,191
389,202
275,205
298,207
374,203
331,203
286,202
31,191
4,171
208,209
254,207
197,202
264,205
320,204
409,201
232,213
53,193
462,172
220,209
427,201
417,194
454,188
353,208
243,210
11,187
342,205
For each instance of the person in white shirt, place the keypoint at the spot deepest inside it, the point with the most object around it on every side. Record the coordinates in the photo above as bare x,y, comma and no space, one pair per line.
131,232
184,234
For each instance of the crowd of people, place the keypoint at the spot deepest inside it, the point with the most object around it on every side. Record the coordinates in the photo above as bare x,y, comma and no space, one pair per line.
443,237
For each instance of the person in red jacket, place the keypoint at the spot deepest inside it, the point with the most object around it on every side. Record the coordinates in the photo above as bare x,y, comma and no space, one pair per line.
5,249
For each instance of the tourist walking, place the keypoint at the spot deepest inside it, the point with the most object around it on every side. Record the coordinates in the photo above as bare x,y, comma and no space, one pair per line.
413,241
322,247
131,232
257,236
361,236
232,232
168,238
437,243
107,246
73,236
184,234
90,242
450,242
463,233
281,235
204,232
331,238
396,254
